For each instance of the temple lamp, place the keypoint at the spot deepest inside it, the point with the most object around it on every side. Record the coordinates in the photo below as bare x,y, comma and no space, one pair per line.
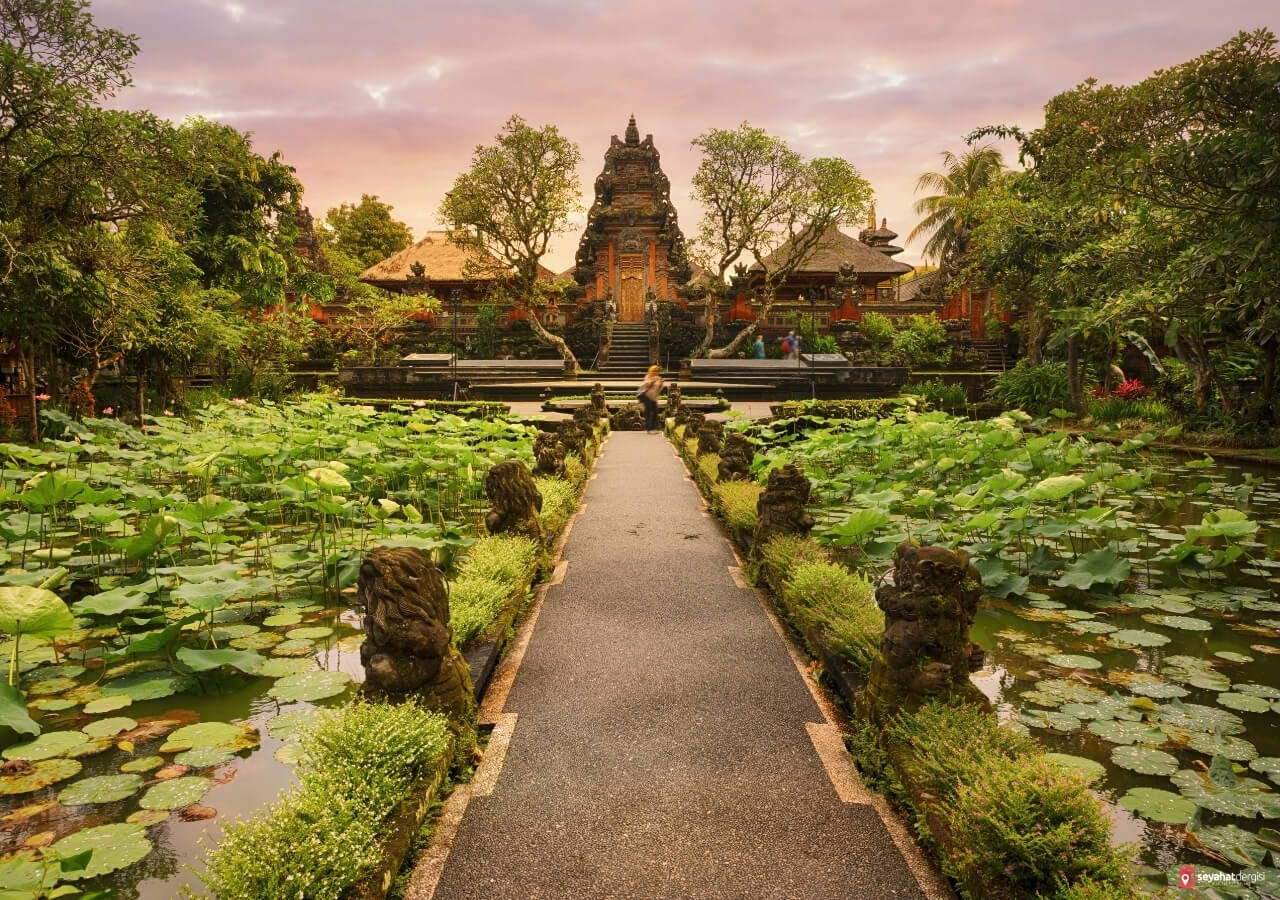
455,307
813,329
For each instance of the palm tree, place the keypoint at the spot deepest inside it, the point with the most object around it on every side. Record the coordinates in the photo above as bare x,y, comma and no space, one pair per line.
960,179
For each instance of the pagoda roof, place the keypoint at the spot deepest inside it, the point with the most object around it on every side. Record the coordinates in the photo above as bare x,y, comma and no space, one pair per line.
442,260
927,287
836,249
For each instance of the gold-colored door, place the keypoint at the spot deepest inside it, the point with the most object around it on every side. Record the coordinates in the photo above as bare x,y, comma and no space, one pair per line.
631,288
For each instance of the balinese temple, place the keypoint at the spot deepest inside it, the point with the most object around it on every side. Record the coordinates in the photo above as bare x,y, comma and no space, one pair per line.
632,246
846,275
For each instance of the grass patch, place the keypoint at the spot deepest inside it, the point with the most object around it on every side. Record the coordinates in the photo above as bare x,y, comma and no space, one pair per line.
841,604
784,552
559,500
358,763
501,557
483,583
474,605
737,502
709,467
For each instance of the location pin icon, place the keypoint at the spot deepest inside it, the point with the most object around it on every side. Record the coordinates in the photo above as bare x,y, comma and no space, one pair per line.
1187,877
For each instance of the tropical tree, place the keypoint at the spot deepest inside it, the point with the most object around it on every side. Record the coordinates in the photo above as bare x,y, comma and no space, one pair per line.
961,178
762,200
516,196
365,231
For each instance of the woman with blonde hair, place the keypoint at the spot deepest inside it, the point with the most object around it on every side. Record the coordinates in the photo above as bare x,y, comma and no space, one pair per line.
649,391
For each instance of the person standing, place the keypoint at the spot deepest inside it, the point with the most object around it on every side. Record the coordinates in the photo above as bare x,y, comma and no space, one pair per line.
648,393
757,349
795,346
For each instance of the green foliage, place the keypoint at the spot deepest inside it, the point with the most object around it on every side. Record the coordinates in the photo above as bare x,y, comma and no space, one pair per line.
949,744
474,605
923,341
575,471
708,467
1026,827
736,501
786,552
939,394
559,500
841,604
365,231
1033,388
358,763
877,330
504,558
1148,411
867,408
961,178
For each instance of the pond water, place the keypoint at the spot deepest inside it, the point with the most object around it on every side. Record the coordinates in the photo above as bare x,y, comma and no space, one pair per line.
1155,680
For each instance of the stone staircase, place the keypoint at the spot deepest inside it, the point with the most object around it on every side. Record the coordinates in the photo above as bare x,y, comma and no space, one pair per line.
628,352
996,360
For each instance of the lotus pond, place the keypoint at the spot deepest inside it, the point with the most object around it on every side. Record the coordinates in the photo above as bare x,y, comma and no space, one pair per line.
177,606
1130,619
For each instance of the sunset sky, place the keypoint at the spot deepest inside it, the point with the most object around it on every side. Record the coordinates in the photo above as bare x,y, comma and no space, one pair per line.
390,97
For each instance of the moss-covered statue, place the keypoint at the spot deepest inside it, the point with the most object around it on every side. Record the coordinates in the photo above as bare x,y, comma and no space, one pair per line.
408,648
781,507
514,500
925,652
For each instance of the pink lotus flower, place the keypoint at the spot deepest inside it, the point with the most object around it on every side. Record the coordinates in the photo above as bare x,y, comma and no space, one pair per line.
419,403
108,410
43,398
239,401
169,413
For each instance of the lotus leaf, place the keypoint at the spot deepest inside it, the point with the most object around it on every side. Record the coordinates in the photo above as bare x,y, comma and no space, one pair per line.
33,610
1160,690
228,633
1092,626
1260,605
1074,661
312,633
1267,765
203,757
1195,717
1091,769
1056,721
107,704
114,847
1122,732
1176,605
42,773
66,670
1234,748
1234,843
175,793
114,602
51,686
13,711
147,817
211,734
1221,790
1057,487
1258,690
47,746
1184,623
1094,568
289,754
282,619
1244,702
105,728
1136,637
1158,805
52,704
100,789
290,724
1070,691
1144,760
204,660
1232,656
148,685
310,686
281,666
299,647
1210,681
143,764
263,640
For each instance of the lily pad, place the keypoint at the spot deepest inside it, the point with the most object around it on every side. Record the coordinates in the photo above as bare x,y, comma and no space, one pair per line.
148,685
1184,623
1092,626
1258,690
310,686
1195,717
202,757
100,789
143,764
312,633
282,620
147,817
1221,790
114,847
1232,656
51,686
1244,702
105,728
47,746
290,724
211,734
107,704
263,640
224,634
1120,732
1043,718
205,660
1074,661
1136,637
282,666
1160,690
1267,765
1158,805
42,773
1234,843
1144,760
1091,769
298,647
53,704
1234,748
176,793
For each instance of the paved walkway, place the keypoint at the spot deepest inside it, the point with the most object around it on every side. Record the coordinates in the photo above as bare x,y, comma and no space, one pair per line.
662,740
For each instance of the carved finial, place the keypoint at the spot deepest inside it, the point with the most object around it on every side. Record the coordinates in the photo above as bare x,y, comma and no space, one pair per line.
884,224
871,219
633,133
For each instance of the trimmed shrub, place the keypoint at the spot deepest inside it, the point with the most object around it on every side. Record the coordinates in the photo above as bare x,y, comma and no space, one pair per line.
877,330
575,471
785,552
559,500
939,394
709,466
1029,827
737,502
502,557
951,743
841,604
474,605
924,340
358,763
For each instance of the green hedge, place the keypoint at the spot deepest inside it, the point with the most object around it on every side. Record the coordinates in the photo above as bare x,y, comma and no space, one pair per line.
841,605
358,764
484,581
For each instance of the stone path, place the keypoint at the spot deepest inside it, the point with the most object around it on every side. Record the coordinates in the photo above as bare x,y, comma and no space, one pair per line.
662,740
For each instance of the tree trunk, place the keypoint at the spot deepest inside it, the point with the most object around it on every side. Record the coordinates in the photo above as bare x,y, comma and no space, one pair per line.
711,308
1198,365
1268,380
140,395
1075,385
27,363
553,340
729,349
